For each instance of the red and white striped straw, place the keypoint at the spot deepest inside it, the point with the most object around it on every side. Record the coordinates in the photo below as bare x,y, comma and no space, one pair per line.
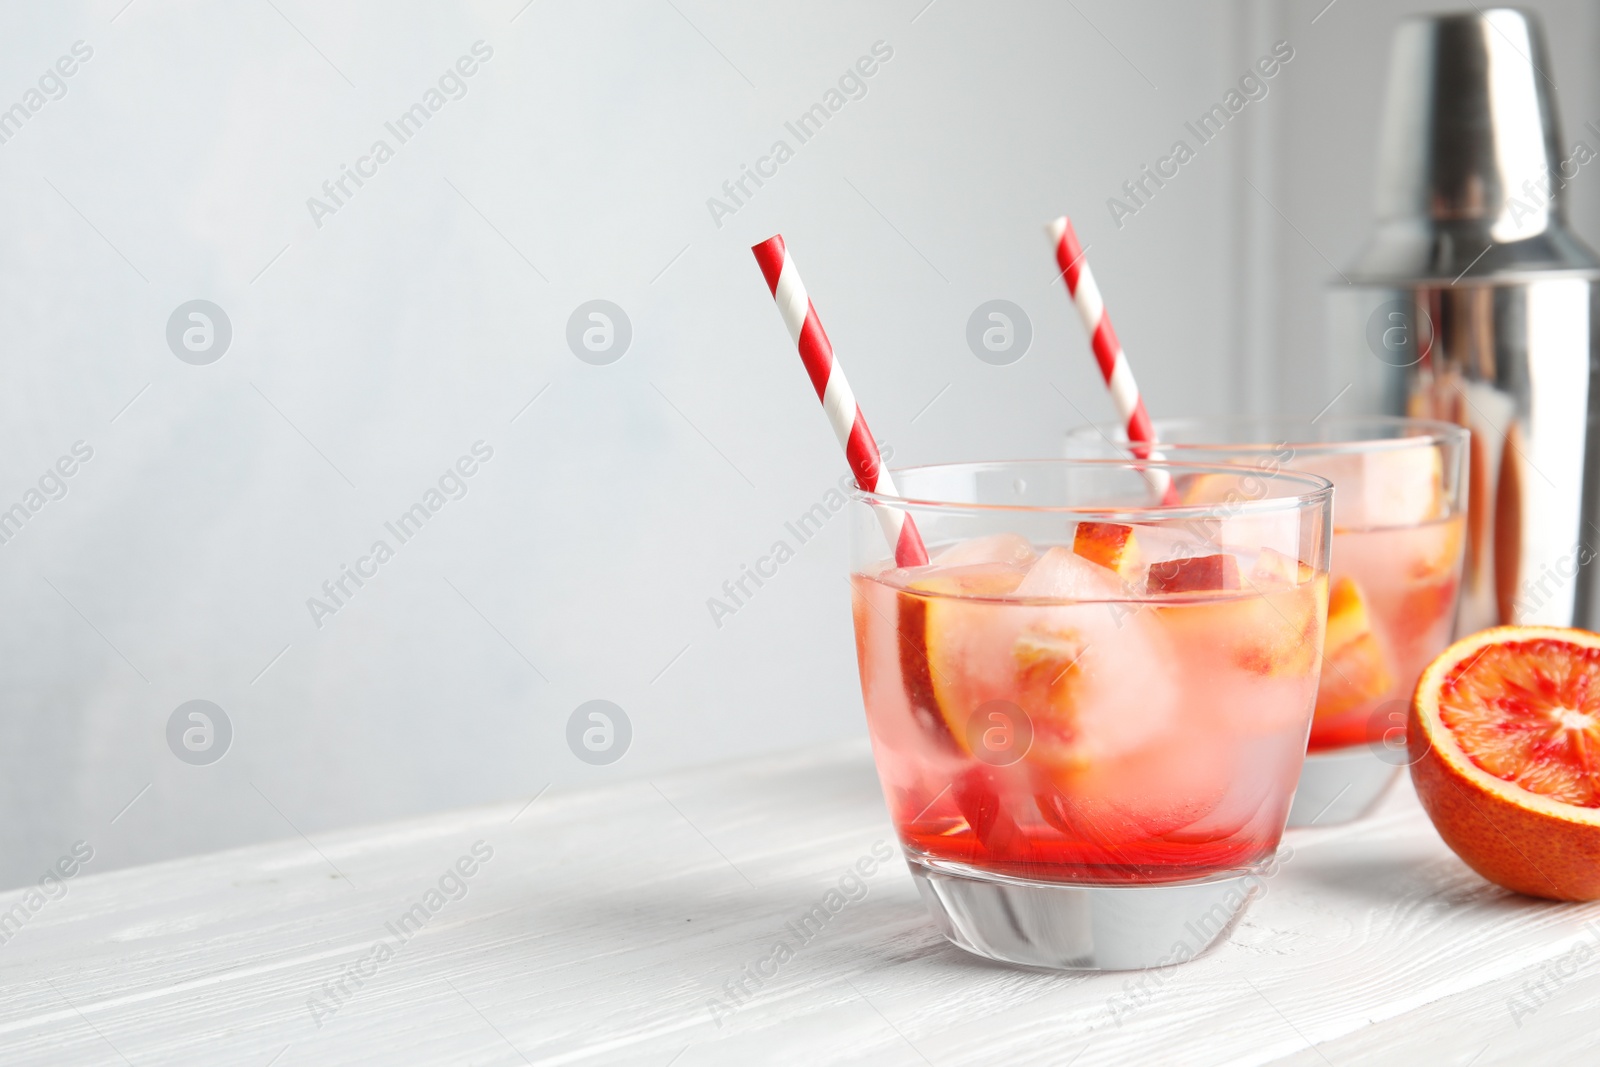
1108,352
838,402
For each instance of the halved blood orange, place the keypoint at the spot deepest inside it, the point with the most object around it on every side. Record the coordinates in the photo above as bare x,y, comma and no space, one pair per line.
1505,736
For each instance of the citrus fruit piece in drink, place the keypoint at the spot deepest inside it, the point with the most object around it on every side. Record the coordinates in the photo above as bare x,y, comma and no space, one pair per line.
1504,732
929,598
1355,668
942,593
1113,545
1194,574
977,792
875,606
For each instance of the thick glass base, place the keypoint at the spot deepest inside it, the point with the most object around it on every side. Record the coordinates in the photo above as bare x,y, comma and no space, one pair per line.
1341,786
1080,927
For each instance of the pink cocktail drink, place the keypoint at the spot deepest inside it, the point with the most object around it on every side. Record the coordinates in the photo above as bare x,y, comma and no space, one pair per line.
1135,740
1126,703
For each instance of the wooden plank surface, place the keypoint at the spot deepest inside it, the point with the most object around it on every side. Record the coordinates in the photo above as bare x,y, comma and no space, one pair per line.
604,927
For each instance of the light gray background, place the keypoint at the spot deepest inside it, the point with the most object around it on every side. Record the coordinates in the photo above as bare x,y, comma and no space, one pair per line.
369,354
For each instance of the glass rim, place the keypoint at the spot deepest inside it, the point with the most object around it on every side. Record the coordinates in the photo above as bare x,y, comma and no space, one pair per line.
1429,432
1316,489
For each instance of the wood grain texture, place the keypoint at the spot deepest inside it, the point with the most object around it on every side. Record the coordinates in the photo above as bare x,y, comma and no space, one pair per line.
606,921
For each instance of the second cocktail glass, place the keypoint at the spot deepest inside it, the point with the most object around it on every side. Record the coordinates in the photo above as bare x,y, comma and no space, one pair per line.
1399,526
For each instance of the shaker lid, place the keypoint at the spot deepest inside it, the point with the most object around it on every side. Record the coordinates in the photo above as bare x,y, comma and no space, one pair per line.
1471,170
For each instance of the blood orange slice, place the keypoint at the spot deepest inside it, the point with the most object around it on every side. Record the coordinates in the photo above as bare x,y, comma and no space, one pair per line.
1110,544
1356,671
922,674
922,611
1505,734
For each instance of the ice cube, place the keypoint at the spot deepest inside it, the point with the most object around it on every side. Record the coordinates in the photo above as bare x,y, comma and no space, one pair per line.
1164,541
1062,574
1097,680
1399,485
1402,486
1008,548
1394,486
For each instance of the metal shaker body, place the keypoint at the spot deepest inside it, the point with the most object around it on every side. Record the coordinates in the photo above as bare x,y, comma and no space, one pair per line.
1474,303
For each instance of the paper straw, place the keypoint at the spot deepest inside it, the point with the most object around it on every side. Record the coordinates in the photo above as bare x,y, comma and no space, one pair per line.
838,402
1108,353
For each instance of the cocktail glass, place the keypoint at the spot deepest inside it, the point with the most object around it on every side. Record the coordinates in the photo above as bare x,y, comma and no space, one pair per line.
1399,517
1089,711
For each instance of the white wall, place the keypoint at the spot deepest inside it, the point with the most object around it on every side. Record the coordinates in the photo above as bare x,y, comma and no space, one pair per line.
424,314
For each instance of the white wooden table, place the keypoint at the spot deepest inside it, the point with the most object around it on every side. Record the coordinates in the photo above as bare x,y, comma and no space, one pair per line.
605,926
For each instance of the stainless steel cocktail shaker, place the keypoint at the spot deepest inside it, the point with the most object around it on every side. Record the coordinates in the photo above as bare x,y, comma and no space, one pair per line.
1474,302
